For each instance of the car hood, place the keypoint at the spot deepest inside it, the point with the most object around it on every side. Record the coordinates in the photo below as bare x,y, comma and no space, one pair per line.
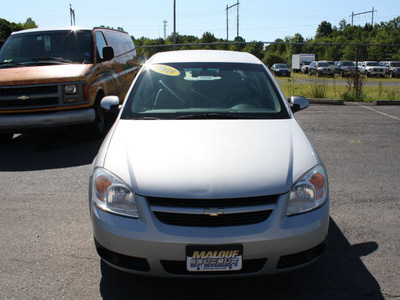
42,74
208,158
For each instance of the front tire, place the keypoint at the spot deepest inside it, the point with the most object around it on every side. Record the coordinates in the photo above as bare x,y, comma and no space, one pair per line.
7,137
102,122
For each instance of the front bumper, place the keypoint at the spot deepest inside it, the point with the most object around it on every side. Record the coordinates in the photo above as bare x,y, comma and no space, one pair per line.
21,122
150,247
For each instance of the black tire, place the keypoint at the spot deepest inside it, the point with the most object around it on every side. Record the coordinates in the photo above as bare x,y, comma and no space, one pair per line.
102,122
6,137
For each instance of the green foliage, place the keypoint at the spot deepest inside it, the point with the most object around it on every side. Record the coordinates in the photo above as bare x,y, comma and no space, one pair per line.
318,89
6,28
324,30
272,58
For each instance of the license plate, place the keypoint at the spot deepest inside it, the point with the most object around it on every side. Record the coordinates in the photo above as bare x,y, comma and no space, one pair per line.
214,258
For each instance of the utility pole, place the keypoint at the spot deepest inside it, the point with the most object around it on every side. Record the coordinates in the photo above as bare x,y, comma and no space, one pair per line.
72,15
363,13
174,22
165,29
237,19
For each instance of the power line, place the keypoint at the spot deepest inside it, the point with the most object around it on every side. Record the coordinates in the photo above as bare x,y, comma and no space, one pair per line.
227,21
362,13
72,15
165,29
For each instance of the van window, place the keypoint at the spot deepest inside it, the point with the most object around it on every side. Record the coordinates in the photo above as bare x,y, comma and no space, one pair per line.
60,45
100,43
121,42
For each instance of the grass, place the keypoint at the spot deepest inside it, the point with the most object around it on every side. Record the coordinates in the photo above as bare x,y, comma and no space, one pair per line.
340,88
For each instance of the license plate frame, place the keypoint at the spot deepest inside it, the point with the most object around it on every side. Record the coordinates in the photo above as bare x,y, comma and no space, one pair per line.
214,258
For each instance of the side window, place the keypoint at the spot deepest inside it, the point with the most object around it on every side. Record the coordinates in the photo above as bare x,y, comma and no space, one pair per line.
100,43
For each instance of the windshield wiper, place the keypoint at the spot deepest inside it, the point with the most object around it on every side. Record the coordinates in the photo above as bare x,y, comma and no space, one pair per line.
212,116
57,59
11,64
145,118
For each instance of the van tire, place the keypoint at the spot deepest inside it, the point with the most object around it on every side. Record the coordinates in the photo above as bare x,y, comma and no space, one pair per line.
102,122
6,137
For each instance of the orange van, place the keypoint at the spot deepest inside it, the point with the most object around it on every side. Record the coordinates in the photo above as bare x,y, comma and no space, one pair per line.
57,77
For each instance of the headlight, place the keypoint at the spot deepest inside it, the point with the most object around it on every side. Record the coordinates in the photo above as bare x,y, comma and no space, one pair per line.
111,194
70,89
309,192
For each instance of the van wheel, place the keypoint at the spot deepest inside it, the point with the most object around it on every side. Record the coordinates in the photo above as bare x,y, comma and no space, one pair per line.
101,124
6,137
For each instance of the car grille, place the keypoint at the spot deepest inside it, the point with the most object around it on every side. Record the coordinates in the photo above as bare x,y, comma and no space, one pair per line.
29,97
199,212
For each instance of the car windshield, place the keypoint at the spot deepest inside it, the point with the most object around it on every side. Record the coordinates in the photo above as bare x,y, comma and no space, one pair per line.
323,64
396,64
348,64
204,90
281,66
372,64
47,47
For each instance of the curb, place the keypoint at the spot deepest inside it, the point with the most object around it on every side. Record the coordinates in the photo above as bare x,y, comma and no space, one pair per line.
325,101
341,102
387,102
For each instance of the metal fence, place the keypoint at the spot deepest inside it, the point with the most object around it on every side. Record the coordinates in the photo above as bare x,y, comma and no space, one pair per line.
375,74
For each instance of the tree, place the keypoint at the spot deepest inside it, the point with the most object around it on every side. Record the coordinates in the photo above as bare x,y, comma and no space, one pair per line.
238,47
208,38
343,24
6,28
271,58
324,30
29,23
255,48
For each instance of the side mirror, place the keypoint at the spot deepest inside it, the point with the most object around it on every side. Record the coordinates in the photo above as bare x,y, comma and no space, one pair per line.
298,103
111,104
108,53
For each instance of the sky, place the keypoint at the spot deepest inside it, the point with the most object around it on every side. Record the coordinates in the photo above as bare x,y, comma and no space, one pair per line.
259,20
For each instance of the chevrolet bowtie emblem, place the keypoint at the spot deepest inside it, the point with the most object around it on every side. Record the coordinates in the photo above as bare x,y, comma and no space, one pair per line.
213,212
23,98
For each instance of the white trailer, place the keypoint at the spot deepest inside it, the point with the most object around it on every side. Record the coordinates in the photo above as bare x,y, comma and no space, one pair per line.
299,59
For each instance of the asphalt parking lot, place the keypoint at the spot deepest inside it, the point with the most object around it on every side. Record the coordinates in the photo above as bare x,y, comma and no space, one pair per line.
46,237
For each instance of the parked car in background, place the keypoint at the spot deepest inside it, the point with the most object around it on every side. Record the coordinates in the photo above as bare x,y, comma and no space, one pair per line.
358,64
305,66
207,173
320,68
57,77
392,68
280,70
345,68
372,68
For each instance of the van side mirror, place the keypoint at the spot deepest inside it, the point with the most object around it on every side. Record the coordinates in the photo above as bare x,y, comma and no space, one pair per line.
111,104
108,53
298,103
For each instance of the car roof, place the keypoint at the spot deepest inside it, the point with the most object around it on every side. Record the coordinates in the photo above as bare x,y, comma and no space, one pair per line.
50,29
203,56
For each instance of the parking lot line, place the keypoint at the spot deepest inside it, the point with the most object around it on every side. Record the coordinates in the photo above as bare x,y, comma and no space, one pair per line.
377,111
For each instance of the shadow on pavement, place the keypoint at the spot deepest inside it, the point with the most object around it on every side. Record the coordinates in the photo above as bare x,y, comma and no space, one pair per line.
338,274
48,150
